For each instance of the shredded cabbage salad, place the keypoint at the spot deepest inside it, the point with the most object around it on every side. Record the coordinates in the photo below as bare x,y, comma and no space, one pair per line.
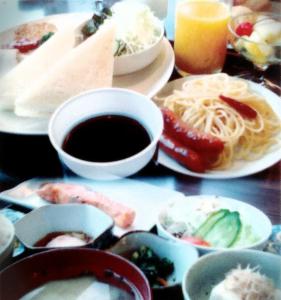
137,27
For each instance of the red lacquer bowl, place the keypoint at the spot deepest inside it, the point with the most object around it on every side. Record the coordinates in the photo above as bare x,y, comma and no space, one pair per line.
33,271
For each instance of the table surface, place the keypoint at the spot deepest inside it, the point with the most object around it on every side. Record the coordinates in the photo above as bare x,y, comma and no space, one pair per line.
262,190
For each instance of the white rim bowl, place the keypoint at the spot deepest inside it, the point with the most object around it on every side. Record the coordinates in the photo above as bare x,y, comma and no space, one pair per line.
261,224
210,269
62,218
102,102
129,63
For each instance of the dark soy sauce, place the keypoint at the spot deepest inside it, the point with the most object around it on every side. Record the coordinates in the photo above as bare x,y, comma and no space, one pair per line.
106,138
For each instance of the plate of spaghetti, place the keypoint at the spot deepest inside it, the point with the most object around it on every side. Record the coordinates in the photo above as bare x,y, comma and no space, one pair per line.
217,126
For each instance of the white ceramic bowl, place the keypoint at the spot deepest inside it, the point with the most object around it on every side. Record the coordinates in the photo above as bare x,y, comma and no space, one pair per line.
180,211
130,63
7,232
101,102
182,255
210,269
63,218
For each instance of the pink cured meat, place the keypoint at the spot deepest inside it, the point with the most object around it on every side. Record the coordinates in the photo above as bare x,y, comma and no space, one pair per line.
62,193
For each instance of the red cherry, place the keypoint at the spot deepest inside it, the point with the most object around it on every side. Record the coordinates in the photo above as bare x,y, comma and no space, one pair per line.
245,28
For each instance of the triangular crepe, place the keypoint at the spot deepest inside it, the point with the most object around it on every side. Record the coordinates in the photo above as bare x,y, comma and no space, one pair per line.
88,66
8,60
23,76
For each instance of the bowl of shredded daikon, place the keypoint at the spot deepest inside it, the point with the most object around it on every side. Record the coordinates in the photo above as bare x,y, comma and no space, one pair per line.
234,274
139,35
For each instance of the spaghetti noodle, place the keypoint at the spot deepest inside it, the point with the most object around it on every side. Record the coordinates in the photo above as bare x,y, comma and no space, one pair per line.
198,104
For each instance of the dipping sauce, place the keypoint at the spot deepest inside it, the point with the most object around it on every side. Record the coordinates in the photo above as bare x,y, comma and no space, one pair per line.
106,138
64,239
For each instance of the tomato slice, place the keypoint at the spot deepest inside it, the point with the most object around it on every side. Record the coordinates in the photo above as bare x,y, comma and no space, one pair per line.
25,45
195,241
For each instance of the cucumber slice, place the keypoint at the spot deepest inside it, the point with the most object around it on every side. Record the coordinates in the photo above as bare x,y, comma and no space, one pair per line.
210,222
226,230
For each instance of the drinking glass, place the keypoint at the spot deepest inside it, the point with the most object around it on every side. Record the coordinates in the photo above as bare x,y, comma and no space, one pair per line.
201,35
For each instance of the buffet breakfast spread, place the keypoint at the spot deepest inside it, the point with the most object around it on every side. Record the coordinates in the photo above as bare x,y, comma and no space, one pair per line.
92,83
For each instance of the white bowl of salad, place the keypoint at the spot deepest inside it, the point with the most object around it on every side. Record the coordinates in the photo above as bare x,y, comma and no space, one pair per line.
139,34
138,38
213,223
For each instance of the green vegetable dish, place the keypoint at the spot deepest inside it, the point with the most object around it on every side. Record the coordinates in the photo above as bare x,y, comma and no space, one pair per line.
156,269
221,229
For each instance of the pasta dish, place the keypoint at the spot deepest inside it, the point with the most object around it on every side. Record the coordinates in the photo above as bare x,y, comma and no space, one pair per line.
201,104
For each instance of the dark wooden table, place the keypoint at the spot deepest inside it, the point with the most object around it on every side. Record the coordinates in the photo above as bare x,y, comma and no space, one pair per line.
262,190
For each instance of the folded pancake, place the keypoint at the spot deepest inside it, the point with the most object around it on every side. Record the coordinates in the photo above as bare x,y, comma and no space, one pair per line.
88,66
13,83
8,60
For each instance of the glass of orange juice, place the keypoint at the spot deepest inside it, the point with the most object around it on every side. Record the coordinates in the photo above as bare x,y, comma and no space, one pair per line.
201,35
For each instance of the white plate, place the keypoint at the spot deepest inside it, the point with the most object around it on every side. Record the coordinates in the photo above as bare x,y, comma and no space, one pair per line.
147,81
144,198
239,168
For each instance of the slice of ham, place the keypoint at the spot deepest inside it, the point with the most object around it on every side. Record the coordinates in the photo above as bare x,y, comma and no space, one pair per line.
62,193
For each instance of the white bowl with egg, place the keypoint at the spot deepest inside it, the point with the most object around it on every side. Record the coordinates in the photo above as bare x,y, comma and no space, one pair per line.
7,236
67,223
182,218
107,102
206,278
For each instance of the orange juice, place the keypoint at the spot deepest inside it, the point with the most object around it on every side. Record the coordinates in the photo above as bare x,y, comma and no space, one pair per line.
201,36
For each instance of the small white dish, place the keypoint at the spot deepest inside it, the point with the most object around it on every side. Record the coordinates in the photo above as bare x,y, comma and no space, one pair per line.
211,269
7,236
239,168
126,64
182,255
63,218
108,101
181,211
